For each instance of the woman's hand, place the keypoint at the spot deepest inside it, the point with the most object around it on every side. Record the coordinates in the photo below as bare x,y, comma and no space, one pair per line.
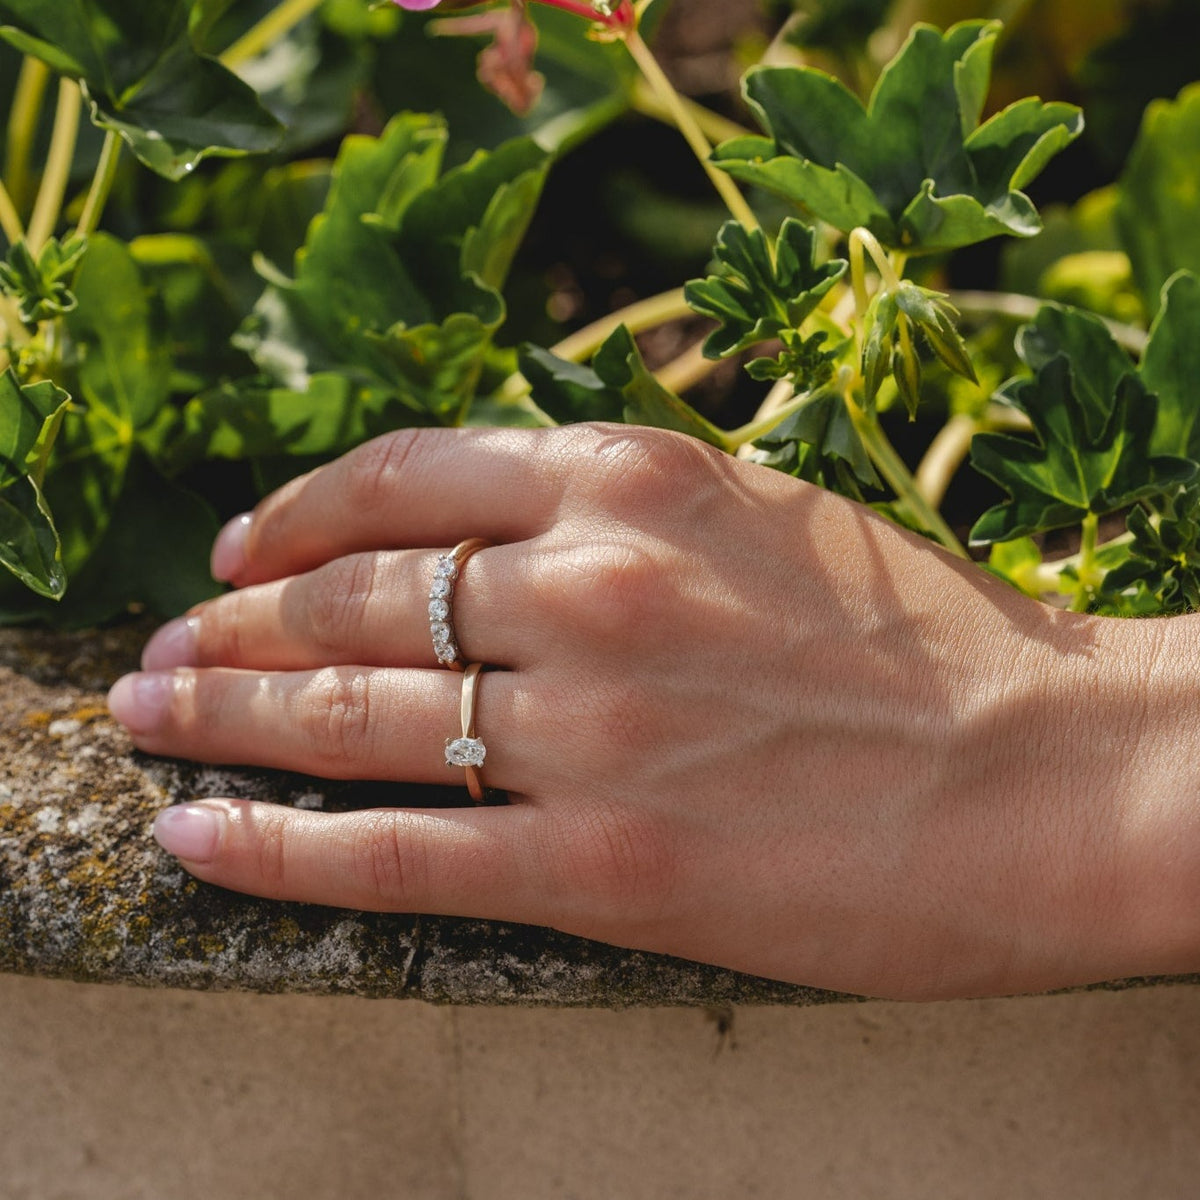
739,720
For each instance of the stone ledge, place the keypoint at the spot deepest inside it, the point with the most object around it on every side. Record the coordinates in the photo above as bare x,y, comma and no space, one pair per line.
86,894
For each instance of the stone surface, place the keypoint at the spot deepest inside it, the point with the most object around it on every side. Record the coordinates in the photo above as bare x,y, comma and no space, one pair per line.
86,894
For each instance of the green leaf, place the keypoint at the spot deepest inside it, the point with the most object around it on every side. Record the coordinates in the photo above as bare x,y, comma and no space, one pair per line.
40,286
1164,556
619,364
143,78
756,295
30,418
820,444
29,543
1084,461
124,368
568,392
398,282
1170,368
1159,206
914,167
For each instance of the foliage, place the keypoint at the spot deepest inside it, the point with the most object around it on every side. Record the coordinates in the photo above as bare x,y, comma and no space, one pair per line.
288,228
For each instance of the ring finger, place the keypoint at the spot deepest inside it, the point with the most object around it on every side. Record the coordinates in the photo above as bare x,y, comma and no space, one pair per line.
339,722
370,609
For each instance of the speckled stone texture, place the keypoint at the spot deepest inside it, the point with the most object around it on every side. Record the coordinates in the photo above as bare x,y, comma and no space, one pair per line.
86,894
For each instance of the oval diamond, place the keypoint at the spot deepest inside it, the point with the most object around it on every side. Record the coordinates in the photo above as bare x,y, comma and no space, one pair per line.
446,568
439,610
442,587
465,752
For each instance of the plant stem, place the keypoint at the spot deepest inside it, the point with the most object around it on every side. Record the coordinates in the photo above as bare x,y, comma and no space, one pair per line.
643,314
22,127
279,22
1025,308
943,458
891,467
58,166
770,415
10,219
656,77
687,370
1089,576
863,239
715,127
102,181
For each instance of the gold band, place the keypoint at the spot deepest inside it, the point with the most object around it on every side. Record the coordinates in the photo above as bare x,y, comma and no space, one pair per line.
441,602
468,751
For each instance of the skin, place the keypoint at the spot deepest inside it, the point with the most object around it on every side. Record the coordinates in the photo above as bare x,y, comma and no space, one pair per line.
739,719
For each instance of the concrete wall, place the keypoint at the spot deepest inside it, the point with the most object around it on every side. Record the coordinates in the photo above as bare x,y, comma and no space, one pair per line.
114,1094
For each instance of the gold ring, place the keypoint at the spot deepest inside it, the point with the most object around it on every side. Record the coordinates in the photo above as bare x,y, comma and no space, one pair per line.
468,751
441,601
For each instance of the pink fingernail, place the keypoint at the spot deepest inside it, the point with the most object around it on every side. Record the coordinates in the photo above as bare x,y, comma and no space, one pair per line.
174,645
188,831
229,550
140,701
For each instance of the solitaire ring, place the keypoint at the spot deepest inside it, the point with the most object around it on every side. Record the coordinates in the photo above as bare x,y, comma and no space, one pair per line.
468,751
441,601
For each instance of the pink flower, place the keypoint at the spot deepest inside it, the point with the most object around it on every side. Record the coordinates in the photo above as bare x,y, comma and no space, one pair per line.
615,14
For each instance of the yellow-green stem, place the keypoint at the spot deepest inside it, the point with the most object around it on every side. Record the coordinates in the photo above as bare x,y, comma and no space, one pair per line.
943,458
276,24
22,128
10,219
642,314
48,207
656,77
1089,576
891,466
863,239
1025,308
715,127
102,181
687,370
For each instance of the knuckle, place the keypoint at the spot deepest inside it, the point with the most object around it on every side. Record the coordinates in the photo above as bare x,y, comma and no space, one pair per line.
221,632
645,470
617,863
392,867
379,470
617,591
338,599
338,718
270,856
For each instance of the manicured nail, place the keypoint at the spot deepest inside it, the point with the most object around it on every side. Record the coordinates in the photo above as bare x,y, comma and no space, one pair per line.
188,831
140,701
174,645
229,550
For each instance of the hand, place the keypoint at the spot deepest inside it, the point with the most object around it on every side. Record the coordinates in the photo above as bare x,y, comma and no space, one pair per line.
739,719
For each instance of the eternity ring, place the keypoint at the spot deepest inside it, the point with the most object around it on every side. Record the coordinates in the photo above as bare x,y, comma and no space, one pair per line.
441,601
468,751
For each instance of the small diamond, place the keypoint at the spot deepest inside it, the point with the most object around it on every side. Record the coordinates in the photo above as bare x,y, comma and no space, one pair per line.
442,587
465,752
440,631
446,568
446,653
439,610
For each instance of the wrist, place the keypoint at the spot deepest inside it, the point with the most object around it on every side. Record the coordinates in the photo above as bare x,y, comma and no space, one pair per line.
1141,696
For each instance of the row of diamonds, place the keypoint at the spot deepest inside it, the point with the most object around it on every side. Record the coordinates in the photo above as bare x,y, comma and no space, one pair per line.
440,594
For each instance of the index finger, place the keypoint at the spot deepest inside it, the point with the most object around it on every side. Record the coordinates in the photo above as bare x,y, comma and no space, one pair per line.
410,489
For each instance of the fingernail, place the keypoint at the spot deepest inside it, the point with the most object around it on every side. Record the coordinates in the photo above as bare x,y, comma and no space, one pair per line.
188,831
140,701
174,645
229,550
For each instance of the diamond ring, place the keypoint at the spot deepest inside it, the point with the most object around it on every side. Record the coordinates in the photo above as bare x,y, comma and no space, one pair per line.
441,601
468,751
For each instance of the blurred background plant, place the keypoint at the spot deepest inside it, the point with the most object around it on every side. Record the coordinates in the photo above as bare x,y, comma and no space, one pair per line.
241,238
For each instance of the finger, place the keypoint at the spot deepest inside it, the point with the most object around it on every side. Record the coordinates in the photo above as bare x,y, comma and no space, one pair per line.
339,723
363,609
460,862
413,488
